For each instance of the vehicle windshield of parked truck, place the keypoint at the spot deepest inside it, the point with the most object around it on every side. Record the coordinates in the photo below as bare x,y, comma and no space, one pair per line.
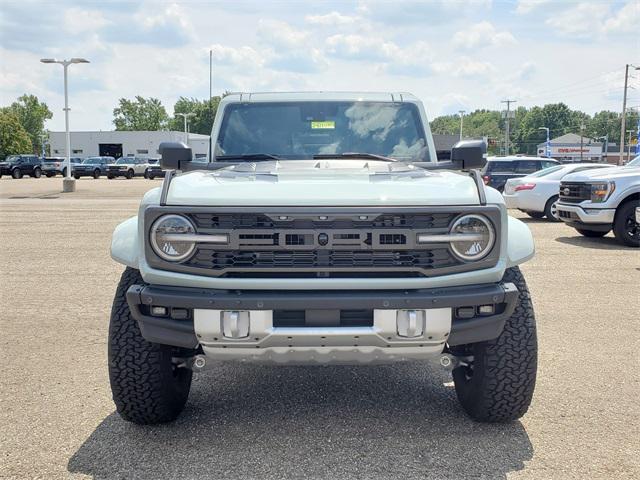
300,130
634,163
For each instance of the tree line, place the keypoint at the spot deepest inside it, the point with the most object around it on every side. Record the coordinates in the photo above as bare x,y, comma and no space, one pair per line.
22,123
525,133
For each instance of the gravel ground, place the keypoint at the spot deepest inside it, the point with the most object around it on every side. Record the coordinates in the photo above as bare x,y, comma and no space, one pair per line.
57,418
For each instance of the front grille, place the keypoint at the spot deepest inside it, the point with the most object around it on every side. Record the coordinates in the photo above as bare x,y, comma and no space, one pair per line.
328,260
569,215
574,192
338,242
260,221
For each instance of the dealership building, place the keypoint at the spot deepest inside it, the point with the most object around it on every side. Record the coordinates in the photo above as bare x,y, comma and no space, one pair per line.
570,148
123,143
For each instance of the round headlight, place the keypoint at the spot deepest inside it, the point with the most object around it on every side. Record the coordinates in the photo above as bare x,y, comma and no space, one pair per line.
476,237
165,238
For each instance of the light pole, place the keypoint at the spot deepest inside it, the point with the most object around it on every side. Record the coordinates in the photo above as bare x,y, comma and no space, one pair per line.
628,145
624,109
185,116
606,145
548,146
68,183
461,112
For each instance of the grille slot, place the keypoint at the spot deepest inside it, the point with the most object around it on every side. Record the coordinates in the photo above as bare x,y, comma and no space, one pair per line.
574,192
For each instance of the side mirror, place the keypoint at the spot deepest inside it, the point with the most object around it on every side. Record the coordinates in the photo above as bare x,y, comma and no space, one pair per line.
173,155
469,154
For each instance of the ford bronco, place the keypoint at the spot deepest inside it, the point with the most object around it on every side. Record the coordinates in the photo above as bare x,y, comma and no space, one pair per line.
323,230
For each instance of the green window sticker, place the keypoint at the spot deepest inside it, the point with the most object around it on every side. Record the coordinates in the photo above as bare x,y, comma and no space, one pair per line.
323,125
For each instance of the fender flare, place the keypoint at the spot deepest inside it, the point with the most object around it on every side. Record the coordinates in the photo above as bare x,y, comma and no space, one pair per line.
124,243
520,245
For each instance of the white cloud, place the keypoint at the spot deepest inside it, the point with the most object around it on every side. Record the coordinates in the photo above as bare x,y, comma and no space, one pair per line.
79,20
242,57
527,6
281,34
626,19
468,67
360,47
331,19
580,20
482,34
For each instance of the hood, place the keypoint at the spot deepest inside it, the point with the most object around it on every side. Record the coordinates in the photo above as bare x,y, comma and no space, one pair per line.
322,183
602,174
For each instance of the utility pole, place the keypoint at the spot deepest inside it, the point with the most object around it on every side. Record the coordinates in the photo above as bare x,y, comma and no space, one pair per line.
507,117
629,145
581,140
461,112
623,124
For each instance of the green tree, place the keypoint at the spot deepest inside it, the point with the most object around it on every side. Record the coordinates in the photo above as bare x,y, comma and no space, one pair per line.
14,139
204,112
140,114
31,113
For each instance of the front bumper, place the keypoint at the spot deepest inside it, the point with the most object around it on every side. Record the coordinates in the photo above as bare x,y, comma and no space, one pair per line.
578,216
266,342
116,173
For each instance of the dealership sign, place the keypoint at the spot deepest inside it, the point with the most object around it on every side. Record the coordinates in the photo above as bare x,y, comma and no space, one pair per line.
571,151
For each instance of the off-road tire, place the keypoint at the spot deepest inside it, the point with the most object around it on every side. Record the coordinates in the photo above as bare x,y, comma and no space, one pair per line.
549,209
591,233
49,175
64,172
76,176
498,385
37,173
146,386
625,221
110,177
17,173
535,214
96,174
129,175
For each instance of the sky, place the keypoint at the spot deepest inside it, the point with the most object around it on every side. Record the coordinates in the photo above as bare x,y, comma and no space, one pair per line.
453,54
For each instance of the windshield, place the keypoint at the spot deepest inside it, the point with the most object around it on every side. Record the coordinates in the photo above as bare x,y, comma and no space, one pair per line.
635,162
304,129
122,160
92,161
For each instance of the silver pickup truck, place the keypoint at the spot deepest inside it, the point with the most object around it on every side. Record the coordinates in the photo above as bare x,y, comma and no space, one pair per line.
323,231
594,202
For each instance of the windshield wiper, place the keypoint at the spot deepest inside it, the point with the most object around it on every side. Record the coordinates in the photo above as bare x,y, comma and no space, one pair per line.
249,156
355,155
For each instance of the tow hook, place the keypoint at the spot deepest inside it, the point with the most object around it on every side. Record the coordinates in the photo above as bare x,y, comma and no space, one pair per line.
198,363
450,362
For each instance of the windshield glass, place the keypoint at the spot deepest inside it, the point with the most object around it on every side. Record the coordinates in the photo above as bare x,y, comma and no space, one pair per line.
122,160
304,129
635,162
92,161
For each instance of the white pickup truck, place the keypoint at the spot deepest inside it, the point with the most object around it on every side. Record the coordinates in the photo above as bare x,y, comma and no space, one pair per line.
594,202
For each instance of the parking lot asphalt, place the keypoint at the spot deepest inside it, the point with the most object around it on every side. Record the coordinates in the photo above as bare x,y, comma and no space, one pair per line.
57,419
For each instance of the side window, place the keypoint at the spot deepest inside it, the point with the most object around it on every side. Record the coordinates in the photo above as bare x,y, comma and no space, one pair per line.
502,167
527,166
547,164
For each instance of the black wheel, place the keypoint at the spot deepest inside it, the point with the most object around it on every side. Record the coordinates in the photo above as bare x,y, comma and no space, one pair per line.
146,384
64,172
110,177
625,227
151,177
551,209
96,174
146,174
16,173
497,383
129,174
37,173
535,214
49,175
591,233
76,176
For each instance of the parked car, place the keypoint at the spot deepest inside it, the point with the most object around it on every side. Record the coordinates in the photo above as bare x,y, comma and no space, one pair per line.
51,166
92,167
19,165
537,194
293,255
127,167
154,170
598,201
500,169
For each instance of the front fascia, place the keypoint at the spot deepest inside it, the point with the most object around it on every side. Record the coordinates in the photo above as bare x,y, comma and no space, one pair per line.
157,276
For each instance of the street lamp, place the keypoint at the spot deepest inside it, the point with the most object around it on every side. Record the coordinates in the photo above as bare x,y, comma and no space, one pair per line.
461,112
68,183
185,116
548,147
